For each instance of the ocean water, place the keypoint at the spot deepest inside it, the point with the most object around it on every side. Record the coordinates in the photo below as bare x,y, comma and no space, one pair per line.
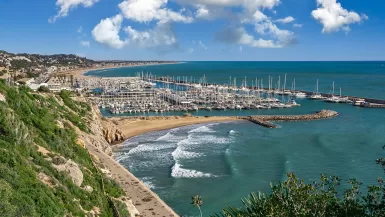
224,162
363,79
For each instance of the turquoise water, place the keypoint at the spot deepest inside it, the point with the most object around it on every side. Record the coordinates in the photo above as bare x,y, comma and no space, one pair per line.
224,162
364,79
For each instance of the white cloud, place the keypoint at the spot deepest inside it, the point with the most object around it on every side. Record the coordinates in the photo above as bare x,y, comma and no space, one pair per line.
85,43
158,12
202,45
241,37
285,20
190,50
67,5
296,25
269,4
107,32
334,17
80,29
161,35
210,12
240,49
149,10
268,28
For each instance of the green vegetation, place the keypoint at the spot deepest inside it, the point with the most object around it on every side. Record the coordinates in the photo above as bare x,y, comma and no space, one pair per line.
28,120
323,199
43,89
121,207
198,202
20,64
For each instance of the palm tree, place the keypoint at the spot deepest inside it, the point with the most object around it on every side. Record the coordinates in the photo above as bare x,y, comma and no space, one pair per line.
198,202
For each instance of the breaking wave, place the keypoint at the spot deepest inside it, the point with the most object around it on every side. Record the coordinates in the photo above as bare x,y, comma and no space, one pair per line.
148,148
178,153
169,137
202,129
178,172
147,181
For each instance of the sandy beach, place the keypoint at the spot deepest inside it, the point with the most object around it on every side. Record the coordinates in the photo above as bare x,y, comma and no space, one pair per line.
144,201
79,73
132,127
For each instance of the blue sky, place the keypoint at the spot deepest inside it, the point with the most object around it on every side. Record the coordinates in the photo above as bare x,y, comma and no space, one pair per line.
196,29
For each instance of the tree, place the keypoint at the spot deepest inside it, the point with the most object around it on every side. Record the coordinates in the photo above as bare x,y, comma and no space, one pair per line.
198,202
43,89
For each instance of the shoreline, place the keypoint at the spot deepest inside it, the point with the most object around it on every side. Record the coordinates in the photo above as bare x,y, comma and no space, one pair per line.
143,199
131,127
80,73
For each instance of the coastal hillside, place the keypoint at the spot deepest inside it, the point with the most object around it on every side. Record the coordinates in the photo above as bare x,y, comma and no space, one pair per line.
45,169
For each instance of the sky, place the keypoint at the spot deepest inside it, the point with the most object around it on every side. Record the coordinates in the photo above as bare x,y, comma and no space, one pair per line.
193,30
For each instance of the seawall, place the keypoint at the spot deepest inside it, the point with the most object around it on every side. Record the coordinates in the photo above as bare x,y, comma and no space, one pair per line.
265,120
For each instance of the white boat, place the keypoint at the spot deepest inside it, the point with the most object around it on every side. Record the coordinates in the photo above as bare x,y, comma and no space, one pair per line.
300,95
297,94
332,99
316,95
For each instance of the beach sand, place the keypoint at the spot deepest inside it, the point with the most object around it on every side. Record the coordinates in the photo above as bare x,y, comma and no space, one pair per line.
131,128
79,73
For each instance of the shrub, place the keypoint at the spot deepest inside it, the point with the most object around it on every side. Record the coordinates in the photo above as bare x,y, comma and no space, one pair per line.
295,198
43,89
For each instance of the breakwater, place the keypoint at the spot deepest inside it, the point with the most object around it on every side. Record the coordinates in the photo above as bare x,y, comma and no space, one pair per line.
265,120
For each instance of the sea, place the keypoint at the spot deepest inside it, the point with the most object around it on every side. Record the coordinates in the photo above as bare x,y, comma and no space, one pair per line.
225,162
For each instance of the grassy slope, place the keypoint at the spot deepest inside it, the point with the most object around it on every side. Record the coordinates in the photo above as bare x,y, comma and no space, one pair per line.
27,119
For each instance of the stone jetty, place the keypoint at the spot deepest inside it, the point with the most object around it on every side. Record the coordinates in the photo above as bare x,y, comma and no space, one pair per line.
265,121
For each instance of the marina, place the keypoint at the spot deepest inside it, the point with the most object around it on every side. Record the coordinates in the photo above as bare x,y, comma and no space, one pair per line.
146,93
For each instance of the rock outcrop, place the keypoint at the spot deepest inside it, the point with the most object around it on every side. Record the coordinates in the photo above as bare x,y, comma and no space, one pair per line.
96,137
72,169
2,98
112,134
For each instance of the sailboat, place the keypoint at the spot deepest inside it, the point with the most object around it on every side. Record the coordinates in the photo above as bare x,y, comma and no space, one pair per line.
333,99
344,99
297,94
316,95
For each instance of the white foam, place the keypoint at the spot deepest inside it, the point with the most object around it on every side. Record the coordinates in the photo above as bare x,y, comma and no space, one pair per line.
202,129
147,182
232,132
202,139
179,172
178,153
121,157
150,147
169,137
